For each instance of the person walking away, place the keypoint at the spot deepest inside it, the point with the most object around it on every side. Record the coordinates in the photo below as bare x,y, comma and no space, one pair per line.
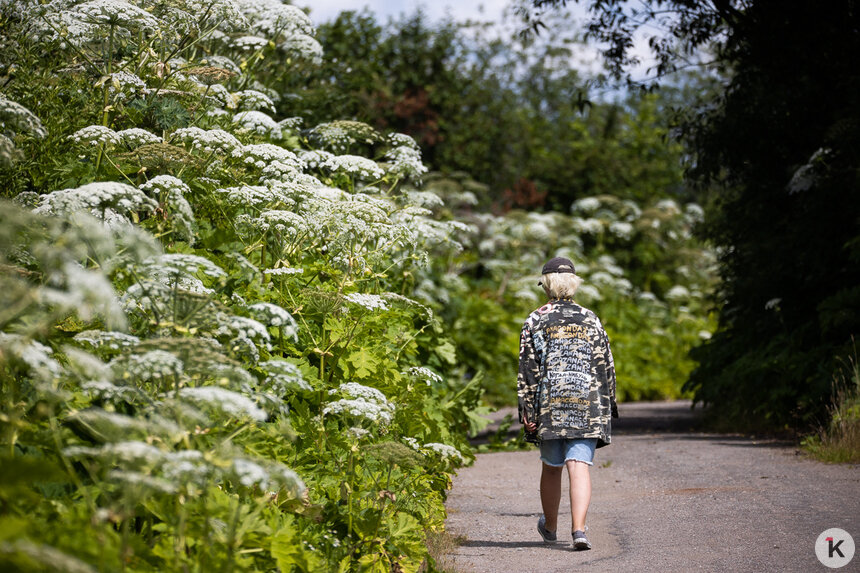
566,390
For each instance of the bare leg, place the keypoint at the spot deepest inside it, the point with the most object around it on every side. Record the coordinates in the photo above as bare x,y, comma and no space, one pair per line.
580,493
550,495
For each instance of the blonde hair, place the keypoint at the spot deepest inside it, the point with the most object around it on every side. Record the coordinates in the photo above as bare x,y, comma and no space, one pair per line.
560,285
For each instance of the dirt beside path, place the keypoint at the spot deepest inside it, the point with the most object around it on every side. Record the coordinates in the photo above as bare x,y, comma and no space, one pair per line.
665,498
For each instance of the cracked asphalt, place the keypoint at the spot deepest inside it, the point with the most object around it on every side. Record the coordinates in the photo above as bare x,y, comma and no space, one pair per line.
666,497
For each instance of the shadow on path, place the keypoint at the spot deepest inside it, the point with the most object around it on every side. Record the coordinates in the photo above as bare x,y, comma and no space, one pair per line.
677,416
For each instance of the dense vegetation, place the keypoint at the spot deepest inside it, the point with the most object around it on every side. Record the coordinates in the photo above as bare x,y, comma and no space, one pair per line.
237,332
777,149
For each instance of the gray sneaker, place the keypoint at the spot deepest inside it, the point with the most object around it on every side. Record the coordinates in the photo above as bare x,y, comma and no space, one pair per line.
580,541
548,536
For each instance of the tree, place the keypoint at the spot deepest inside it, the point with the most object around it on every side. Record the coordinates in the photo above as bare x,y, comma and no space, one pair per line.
780,144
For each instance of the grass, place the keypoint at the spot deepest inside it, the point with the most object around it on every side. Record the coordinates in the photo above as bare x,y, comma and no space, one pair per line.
839,441
441,546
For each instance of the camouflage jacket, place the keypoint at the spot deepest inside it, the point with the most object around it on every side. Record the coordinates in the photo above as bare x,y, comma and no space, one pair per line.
566,378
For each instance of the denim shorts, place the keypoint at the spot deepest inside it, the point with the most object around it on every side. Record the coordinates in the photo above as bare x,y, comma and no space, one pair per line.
556,452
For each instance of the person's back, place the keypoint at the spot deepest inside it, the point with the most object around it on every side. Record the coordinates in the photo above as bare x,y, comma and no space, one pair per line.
566,389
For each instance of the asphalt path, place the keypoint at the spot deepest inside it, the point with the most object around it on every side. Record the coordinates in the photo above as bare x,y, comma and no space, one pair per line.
666,497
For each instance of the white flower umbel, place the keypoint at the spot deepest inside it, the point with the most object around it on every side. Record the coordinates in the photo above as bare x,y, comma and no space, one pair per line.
283,271
38,357
316,158
356,390
339,136
131,451
266,475
95,135
14,117
86,292
291,123
249,43
155,364
253,100
116,13
107,340
126,84
283,376
668,206
303,47
262,154
586,205
355,166
621,229
610,265
447,452
187,466
368,301
171,192
135,137
361,408
678,293
207,141
248,195
274,315
588,292
588,226
406,162
181,265
131,480
227,401
402,140
96,198
285,223
363,402
425,374
357,433
426,199
259,123
245,332
274,18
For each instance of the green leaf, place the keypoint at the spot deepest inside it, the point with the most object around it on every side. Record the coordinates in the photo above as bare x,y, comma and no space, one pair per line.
362,363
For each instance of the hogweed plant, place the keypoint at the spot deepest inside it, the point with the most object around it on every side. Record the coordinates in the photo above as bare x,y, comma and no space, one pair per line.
208,347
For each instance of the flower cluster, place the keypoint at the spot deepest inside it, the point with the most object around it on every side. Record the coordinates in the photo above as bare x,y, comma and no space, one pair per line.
95,135
208,141
259,123
303,47
253,100
14,117
425,374
227,401
365,402
447,452
354,166
274,315
262,154
135,137
249,43
155,364
282,376
406,162
368,301
98,198
339,136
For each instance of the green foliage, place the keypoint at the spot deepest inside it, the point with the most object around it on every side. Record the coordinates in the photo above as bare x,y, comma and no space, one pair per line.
209,354
513,112
787,220
839,440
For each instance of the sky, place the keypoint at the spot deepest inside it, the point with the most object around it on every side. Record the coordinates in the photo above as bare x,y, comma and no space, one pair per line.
481,10
324,10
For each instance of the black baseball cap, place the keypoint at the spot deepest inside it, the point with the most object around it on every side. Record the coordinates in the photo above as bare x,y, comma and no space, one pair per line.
559,265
